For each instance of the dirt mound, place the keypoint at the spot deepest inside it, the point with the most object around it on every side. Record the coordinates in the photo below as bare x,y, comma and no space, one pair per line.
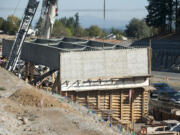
33,97
11,83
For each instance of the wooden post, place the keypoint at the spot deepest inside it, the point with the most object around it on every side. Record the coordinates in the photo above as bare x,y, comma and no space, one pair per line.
110,100
75,96
143,102
110,106
121,104
98,100
87,98
132,108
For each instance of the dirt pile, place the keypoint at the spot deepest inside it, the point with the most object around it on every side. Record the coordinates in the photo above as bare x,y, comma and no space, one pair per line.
11,83
32,97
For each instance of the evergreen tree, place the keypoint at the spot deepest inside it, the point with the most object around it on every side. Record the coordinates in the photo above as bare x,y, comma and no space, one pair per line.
137,29
161,14
177,4
60,30
76,20
11,25
1,23
39,25
94,31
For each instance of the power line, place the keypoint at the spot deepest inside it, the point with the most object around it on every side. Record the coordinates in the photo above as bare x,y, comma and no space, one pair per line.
104,9
16,7
84,10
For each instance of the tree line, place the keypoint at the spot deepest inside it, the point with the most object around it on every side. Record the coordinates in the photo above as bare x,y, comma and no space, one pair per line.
71,27
10,25
137,28
164,15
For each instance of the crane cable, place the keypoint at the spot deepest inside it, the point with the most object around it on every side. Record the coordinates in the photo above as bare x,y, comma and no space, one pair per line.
16,7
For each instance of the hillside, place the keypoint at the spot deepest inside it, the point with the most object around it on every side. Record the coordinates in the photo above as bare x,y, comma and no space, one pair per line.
25,110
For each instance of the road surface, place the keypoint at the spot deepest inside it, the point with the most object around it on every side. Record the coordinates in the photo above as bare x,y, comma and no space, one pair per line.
174,76
173,79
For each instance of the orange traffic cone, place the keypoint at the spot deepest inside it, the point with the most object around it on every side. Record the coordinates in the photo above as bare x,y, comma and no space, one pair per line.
167,78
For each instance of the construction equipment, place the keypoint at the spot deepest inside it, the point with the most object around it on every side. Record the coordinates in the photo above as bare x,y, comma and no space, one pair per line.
21,35
48,13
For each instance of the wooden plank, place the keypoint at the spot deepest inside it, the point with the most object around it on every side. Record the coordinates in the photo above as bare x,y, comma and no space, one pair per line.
132,107
117,101
87,98
122,104
98,100
110,100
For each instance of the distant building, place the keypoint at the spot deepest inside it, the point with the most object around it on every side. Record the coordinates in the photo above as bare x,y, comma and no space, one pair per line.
111,36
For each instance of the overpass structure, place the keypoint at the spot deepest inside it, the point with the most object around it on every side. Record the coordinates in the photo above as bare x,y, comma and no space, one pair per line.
110,78
165,54
46,52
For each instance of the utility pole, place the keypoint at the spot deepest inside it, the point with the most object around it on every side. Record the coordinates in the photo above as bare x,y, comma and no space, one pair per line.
104,20
104,9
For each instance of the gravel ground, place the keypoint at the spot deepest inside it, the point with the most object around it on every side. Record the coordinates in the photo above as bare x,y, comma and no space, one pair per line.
69,119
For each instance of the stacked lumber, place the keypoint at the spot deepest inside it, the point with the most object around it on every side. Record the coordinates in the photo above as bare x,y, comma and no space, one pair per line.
125,106
116,104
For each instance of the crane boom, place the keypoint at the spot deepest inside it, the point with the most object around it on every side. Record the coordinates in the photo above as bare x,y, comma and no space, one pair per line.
21,35
48,13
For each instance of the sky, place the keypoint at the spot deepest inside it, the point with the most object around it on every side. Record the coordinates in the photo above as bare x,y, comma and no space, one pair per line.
118,14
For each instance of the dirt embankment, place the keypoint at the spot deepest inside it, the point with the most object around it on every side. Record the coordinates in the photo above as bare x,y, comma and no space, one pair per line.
33,97
25,110
5,36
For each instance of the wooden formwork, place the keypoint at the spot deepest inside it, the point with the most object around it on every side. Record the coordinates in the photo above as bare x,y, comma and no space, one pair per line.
115,104
163,110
